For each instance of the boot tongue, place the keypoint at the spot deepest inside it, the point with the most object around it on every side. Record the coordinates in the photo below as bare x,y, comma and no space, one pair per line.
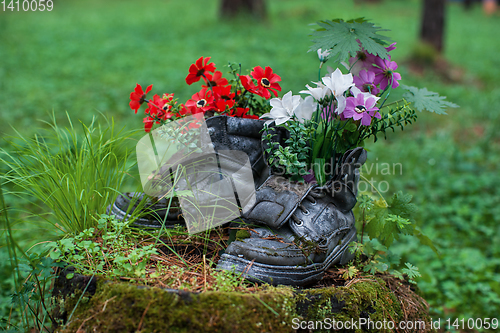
276,200
344,186
343,197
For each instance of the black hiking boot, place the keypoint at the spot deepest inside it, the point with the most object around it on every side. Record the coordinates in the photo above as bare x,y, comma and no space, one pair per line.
300,229
226,133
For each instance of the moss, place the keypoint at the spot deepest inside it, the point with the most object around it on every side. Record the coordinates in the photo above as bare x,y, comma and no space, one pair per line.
123,307
242,234
366,299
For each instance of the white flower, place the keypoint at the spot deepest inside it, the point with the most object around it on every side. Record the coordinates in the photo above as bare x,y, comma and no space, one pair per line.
305,109
338,83
319,92
323,55
283,109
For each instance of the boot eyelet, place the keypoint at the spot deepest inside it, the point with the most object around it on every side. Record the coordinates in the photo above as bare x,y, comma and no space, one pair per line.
299,222
306,212
313,203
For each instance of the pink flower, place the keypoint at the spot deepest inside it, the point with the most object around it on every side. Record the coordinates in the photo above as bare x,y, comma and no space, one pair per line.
385,74
361,107
391,47
365,82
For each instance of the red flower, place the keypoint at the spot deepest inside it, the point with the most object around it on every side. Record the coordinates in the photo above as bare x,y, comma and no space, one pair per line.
215,80
148,123
242,113
137,97
248,84
159,108
198,69
193,122
200,102
224,93
266,82
183,111
222,105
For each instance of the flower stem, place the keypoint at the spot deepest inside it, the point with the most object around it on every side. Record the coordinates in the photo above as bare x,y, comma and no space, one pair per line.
391,103
388,92
373,186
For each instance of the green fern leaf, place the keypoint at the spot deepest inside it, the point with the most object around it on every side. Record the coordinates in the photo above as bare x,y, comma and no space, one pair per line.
423,99
341,38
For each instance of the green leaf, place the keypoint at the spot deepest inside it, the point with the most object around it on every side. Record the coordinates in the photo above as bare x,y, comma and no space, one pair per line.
318,142
365,202
398,220
400,204
319,170
425,240
423,99
56,255
350,272
391,258
341,38
183,193
411,271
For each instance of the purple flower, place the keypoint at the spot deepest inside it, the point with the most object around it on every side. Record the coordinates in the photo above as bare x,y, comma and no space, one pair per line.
362,60
365,82
309,178
328,112
391,47
361,107
384,70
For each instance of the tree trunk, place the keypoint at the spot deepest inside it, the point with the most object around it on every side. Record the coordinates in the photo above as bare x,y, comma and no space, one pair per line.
432,30
468,4
372,1
231,8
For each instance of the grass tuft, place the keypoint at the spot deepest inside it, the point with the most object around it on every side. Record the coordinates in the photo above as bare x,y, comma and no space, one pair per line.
74,176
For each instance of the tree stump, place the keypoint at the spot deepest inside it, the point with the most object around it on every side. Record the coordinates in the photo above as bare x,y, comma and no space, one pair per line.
377,303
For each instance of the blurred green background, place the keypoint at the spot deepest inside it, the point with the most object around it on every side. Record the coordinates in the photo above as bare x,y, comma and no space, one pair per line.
85,57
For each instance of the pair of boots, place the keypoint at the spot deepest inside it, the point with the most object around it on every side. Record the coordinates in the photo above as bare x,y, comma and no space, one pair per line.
295,231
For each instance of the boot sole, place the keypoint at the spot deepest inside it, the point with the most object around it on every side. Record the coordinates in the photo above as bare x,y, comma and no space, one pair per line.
141,221
288,275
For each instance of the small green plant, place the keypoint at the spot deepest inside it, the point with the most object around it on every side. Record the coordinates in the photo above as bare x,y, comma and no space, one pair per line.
228,280
35,293
350,272
111,249
32,275
381,223
379,260
293,158
387,220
